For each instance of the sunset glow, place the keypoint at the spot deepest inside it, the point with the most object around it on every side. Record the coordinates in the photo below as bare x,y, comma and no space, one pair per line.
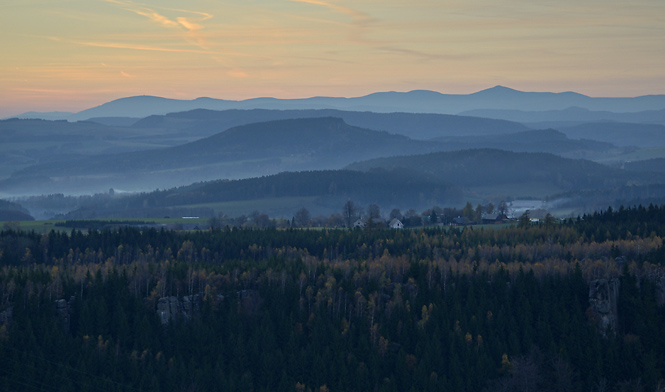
74,54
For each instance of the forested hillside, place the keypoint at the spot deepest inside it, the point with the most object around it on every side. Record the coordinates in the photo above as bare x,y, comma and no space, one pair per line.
620,134
542,140
13,212
415,181
483,167
312,143
414,125
648,165
330,188
246,151
514,309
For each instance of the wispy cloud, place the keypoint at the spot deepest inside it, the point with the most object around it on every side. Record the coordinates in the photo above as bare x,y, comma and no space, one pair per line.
357,16
420,54
359,20
117,45
191,26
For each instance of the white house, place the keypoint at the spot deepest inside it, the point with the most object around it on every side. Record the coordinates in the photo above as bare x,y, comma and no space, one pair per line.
359,223
396,224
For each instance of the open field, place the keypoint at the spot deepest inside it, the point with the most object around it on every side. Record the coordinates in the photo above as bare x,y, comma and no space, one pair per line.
274,207
45,226
41,226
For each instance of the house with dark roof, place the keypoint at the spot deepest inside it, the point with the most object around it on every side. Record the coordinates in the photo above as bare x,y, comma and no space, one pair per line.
490,219
462,221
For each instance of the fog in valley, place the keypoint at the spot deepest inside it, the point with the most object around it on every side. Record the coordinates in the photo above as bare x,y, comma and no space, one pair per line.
143,157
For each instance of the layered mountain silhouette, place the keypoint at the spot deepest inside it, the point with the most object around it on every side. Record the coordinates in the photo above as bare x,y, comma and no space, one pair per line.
270,147
417,181
412,145
418,101
414,125
244,151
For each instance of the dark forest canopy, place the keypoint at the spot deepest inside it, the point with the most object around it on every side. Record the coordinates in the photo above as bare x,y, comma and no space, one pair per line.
332,310
10,211
491,167
331,188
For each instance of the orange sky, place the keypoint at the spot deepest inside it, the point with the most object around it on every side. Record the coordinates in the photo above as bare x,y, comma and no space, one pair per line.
74,54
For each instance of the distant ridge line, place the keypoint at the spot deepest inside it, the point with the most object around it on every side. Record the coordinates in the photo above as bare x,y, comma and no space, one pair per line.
414,101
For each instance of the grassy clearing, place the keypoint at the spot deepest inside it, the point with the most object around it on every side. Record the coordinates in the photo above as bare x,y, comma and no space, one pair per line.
41,226
45,226
274,207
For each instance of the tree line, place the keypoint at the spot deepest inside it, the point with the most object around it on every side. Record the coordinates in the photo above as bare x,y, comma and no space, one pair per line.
322,310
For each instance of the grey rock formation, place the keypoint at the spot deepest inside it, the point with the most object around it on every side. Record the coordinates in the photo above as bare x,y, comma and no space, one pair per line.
170,308
167,309
603,296
63,309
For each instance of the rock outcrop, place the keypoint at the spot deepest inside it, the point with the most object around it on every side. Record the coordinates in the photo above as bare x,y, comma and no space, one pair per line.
63,309
603,296
170,308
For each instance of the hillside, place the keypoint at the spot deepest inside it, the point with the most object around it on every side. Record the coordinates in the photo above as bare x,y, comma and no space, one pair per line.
620,134
414,125
13,212
542,140
648,165
576,114
325,191
485,169
416,181
313,142
28,142
245,151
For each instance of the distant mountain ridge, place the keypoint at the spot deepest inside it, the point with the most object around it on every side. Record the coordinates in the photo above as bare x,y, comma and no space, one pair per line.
245,151
417,101
420,126
571,114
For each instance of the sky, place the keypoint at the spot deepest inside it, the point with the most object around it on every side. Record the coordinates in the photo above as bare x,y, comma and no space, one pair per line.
69,55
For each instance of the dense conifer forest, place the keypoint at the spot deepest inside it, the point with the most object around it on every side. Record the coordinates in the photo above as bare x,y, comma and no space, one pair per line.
426,309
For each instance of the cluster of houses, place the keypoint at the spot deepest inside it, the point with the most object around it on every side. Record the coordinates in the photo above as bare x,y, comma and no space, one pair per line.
487,219
393,224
